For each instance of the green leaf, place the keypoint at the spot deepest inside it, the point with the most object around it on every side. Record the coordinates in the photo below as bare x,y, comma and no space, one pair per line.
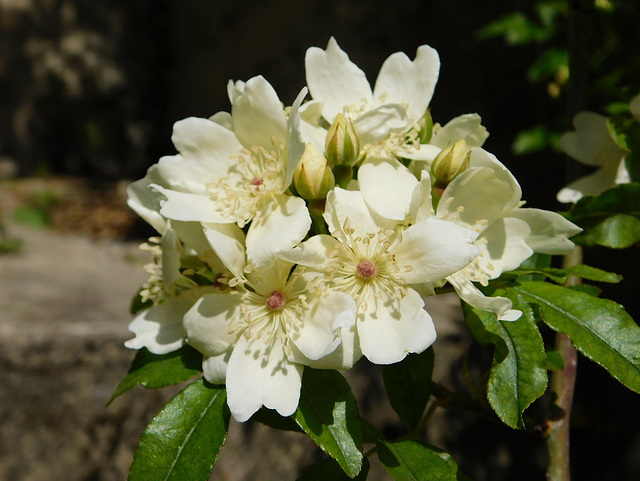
518,374
154,371
370,433
271,418
598,328
408,385
587,289
328,413
594,274
533,140
329,470
412,461
611,219
184,439
555,362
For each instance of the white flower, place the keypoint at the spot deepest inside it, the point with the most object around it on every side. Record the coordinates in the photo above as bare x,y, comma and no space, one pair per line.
159,327
591,143
486,199
237,168
257,338
376,261
384,115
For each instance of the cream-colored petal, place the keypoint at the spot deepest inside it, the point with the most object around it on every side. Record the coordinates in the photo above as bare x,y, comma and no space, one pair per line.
409,82
297,142
280,223
159,328
506,246
387,187
500,306
634,106
550,232
375,125
389,329
207,322
346,205
260,375
434,249
214,368
467,127
145,202
190,207
335,80
314,252
592,184
591,142
345,355
228,242
421,200
258,115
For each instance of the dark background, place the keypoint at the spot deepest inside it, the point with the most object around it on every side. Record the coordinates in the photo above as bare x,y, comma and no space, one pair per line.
91,89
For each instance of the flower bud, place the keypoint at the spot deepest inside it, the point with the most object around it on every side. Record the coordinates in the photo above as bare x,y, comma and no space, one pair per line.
451,162
313,178
426,127
342,146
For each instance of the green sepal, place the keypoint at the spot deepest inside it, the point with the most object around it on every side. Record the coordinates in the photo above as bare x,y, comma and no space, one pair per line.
599,328
518,374
328,413
408,385
183,440
154,371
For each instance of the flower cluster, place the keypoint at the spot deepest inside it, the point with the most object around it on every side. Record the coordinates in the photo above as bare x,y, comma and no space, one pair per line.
310,235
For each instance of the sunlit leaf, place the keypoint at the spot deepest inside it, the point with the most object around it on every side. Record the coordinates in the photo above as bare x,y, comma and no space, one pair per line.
412,461
328,413
599,328
184,439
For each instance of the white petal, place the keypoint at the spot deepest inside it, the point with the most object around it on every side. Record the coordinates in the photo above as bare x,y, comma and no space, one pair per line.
206,142
477,195
214,368
334,80
279,224
227,241
317,337
377,124
207,322
467,127
592,184
550,232
145,202
411,83
387,187
481,158
346,204
500,306
190,207
223,119
507,246
591,143
171,254
258,115
314,252
296,141
421,200
260,375
345,355
390,328
159,328
423,156
434,249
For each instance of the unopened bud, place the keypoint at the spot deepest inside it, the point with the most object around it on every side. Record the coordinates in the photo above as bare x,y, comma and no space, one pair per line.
451,162
426,127
313,178
342,146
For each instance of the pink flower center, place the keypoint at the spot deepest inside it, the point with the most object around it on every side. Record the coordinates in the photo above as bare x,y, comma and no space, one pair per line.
275,300
257,182
366,269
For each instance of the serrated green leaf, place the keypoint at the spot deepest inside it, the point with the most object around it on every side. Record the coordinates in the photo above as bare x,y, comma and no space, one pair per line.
555,362
594,274
408,385
154,371
611,219
328,413
182,442
518,375
412,461
587,289
329,470
598,328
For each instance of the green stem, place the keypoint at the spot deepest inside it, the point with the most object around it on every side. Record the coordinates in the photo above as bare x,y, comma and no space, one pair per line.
562,389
